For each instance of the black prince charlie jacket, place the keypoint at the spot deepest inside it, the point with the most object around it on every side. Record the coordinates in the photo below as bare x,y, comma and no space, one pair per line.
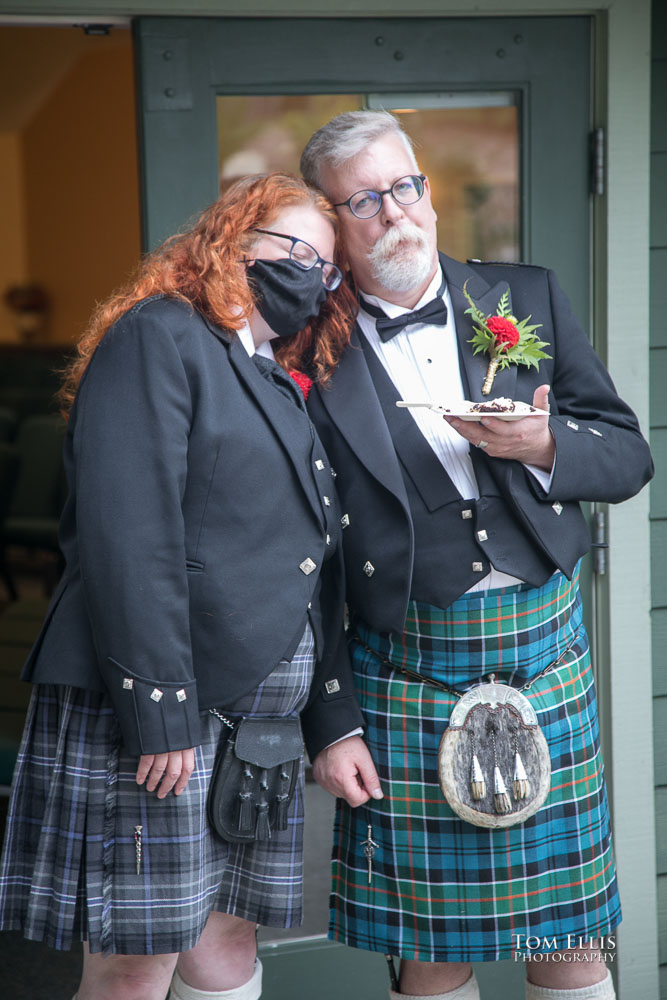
200,534
390,484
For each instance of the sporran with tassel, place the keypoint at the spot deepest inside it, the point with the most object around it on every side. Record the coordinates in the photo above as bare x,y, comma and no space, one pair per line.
493,731
254,778
493,762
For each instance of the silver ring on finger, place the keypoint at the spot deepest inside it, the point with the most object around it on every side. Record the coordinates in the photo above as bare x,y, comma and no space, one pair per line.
483,444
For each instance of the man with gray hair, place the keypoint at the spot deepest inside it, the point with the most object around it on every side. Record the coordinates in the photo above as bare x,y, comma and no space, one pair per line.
462,542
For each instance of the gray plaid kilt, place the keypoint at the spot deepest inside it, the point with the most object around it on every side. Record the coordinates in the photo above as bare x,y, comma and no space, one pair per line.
69,871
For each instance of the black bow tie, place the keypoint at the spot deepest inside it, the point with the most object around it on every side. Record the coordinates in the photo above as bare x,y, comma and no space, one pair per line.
433,312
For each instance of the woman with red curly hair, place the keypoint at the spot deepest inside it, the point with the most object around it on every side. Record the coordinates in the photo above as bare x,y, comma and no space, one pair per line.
202,585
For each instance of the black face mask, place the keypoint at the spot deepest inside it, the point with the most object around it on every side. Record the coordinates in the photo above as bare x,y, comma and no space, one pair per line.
287,296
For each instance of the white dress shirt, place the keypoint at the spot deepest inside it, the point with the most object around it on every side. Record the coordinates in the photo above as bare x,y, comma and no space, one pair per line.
244,333
423,363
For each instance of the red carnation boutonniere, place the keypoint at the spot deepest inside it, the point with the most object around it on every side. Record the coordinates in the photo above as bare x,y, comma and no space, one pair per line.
304,383
504,338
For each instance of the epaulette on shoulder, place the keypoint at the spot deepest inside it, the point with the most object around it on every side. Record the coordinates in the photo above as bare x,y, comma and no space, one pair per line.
503,263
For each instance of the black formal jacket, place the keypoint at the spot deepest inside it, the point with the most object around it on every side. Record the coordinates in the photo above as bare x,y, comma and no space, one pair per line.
600,452
200,533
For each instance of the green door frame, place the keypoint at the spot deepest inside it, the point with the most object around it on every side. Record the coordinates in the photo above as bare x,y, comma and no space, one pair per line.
184,64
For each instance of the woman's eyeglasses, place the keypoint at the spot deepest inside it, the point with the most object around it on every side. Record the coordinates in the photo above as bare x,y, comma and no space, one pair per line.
307,257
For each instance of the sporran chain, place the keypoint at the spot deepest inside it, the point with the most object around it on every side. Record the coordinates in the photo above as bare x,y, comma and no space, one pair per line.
440,685
219,715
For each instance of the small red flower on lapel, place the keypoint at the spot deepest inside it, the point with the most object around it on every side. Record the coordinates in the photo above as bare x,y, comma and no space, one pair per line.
504,331
304,383
504,338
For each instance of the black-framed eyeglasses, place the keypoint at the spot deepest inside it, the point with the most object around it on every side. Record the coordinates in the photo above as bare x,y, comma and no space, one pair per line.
405,191
307,257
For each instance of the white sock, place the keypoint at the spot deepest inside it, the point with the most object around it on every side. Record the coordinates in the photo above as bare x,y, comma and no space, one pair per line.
468,991
252,990
598,991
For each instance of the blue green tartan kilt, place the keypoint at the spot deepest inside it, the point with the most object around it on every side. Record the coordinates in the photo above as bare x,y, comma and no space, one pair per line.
443,890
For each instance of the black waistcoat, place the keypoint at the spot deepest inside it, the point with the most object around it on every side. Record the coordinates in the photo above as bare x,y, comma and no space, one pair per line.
457,540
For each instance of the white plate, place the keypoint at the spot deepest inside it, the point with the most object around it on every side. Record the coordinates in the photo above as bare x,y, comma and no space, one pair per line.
465,414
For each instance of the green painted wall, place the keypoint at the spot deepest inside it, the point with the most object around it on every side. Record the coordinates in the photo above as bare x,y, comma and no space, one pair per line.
658,387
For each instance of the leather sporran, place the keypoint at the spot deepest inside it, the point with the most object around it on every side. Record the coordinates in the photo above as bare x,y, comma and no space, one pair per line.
254,779
493,762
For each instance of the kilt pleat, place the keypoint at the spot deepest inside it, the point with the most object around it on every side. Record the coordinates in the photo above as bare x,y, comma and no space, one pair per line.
443,889
69,868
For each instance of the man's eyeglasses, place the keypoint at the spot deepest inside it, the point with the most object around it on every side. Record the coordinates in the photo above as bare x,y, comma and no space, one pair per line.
307,257
405,191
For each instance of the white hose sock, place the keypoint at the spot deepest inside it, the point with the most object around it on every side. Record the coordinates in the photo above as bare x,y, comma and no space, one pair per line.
469,991
252,990
599,991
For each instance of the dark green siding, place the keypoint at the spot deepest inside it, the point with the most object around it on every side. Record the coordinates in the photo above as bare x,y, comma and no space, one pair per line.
658,361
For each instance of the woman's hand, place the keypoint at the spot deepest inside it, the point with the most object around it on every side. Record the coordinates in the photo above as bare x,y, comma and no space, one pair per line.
173,768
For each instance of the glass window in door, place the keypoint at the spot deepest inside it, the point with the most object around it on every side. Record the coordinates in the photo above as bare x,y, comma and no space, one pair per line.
466,143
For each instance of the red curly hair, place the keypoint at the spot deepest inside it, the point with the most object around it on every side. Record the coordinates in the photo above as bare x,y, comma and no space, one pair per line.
200,266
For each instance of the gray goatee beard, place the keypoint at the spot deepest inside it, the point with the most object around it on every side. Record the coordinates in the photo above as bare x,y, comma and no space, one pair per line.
402,258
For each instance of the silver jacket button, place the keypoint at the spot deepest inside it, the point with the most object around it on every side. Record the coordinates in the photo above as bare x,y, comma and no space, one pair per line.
369,568
327,501
307,566
558,507
319,464
482,535
466,514
332,686
345,520
156,694
477,567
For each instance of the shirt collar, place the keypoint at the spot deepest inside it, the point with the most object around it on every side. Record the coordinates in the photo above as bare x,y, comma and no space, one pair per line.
391,309
244,333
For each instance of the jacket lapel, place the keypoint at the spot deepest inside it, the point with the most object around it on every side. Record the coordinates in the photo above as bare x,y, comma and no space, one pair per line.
474,366
277,410
353,405
486,298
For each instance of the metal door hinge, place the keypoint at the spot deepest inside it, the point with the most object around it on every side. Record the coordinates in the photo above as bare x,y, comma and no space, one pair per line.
600,543
597,154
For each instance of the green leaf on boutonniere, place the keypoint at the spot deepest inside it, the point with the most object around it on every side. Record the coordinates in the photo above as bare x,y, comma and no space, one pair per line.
507,340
